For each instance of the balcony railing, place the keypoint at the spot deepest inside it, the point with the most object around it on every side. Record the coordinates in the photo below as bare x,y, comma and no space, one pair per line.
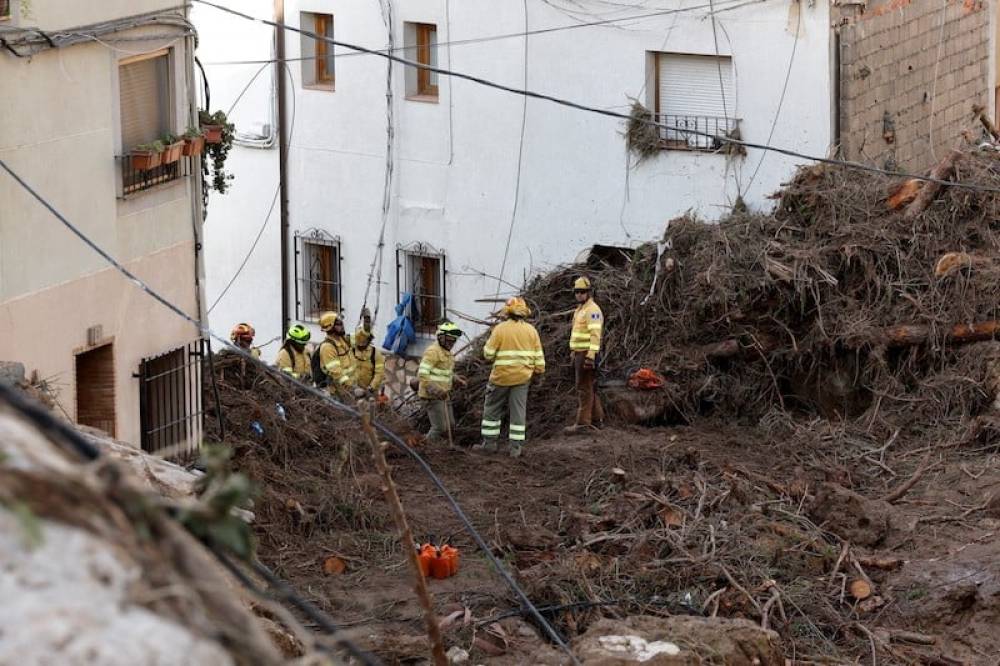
136,180
696,132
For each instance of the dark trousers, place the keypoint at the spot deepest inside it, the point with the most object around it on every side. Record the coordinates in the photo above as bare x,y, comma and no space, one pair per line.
590,405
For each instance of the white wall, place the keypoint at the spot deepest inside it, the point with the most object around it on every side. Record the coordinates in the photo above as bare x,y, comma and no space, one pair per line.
456,161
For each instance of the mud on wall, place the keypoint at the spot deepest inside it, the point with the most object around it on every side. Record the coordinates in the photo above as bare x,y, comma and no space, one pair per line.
903,62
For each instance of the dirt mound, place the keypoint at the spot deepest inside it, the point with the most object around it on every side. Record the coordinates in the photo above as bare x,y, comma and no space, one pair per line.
832,305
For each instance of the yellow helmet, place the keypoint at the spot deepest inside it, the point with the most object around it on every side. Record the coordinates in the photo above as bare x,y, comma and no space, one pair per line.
582,284
362,337
327,321
517,306
449,329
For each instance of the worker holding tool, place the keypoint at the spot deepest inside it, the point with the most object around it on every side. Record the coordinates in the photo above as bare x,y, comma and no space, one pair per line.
436,378
584,345
335,364
516,352
242,336
369,363
292,357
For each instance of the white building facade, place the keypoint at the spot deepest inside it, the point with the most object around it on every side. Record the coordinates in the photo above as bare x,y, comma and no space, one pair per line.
479,174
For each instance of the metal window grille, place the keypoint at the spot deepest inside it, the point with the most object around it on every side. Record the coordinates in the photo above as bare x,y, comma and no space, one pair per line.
423,273
318,286
170,401
137,180
689,132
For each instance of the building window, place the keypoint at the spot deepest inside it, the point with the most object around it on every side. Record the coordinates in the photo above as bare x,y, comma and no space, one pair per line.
317,270
317,55
421,42
423,275
694,96
145,101
170,405
95,389
4,9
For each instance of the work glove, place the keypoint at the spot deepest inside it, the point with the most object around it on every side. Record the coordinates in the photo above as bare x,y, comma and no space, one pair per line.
588,363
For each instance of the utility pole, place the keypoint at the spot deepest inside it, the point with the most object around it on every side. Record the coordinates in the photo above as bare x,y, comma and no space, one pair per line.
281,65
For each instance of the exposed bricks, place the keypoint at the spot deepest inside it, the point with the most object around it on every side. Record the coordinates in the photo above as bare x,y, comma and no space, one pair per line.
895,69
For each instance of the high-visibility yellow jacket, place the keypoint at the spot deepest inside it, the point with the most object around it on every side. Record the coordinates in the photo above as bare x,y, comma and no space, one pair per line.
336,360
588,325
294,362
436,368
370,364
516,352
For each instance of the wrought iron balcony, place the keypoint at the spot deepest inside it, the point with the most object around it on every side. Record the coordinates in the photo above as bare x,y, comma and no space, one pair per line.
696,132
136,180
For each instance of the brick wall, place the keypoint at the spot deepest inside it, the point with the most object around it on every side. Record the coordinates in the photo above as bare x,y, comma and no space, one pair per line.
889,61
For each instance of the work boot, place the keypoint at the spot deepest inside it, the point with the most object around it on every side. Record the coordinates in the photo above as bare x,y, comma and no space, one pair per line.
486,446
515,450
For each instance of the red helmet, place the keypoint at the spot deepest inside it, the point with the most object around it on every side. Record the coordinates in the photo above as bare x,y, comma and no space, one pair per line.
243,332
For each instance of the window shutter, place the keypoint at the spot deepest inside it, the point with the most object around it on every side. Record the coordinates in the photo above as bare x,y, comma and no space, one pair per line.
144,100
689,85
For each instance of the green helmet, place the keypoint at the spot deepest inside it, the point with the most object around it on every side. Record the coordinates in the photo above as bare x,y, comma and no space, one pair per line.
299,333
449,329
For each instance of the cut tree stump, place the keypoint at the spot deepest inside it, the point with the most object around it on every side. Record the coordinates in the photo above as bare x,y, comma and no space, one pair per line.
860,589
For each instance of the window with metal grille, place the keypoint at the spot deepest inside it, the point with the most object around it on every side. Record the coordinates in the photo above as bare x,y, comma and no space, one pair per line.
694,96
170,402
422,271
317,268
145,101
317,55
421,42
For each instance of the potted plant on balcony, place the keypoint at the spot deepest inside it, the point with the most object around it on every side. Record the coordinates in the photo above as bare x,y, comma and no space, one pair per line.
147,156
217,151
194,142
172,148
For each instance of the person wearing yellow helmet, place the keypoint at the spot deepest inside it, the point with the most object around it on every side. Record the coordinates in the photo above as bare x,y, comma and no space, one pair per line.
585,344
292,357
517,355
242,336
436,377
336,365
369,362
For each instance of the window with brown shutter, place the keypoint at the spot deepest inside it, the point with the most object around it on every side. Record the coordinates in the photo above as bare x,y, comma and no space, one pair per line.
4,9
145,99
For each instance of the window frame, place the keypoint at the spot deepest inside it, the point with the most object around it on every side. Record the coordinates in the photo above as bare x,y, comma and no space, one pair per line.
309,312
418,81
9,15
404,254
324,77
319,70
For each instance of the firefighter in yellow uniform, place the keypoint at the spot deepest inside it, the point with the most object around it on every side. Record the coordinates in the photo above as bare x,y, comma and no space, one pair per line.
292,357
436,378
335,357
369,363
242,336
516,352
584,345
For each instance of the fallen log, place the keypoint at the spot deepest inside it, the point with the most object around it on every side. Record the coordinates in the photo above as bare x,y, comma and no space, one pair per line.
952,262
979,111
917,334
944,170
904,194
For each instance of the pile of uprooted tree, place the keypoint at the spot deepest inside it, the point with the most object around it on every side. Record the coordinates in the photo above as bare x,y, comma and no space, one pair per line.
859,297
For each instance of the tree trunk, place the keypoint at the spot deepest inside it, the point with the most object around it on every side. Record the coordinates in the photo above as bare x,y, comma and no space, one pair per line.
944,170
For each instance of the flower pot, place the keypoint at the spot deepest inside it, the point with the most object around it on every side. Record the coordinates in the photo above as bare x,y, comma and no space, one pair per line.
172,153
144,160
213,133
194,147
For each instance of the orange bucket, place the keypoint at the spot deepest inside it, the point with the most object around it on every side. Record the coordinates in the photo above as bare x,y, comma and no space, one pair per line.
426,556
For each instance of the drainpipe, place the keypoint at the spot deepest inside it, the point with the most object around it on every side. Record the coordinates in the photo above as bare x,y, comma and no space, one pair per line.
279,17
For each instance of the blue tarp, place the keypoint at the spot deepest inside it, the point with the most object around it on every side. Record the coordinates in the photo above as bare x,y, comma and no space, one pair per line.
400,333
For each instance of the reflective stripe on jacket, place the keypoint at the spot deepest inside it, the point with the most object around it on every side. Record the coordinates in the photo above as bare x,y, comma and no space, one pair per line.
516,352
370,372
336,360
293,362
436,367
588,325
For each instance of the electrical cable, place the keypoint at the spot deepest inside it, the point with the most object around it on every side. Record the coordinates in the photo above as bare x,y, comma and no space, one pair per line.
781,99
325,397
608,113
274,201
937,63
735,4
43,419
722,91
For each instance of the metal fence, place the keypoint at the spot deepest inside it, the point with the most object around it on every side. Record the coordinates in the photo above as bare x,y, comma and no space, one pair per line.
695,132
136,180
170,401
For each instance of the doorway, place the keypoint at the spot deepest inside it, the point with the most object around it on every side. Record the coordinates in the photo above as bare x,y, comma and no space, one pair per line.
95,389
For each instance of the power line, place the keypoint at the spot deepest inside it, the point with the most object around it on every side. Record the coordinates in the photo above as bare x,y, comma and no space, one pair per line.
606,112
323,396
731,5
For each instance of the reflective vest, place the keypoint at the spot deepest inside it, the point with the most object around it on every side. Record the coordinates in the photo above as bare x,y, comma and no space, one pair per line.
336,360
516,352
370,364
588,324
436,367
294,362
